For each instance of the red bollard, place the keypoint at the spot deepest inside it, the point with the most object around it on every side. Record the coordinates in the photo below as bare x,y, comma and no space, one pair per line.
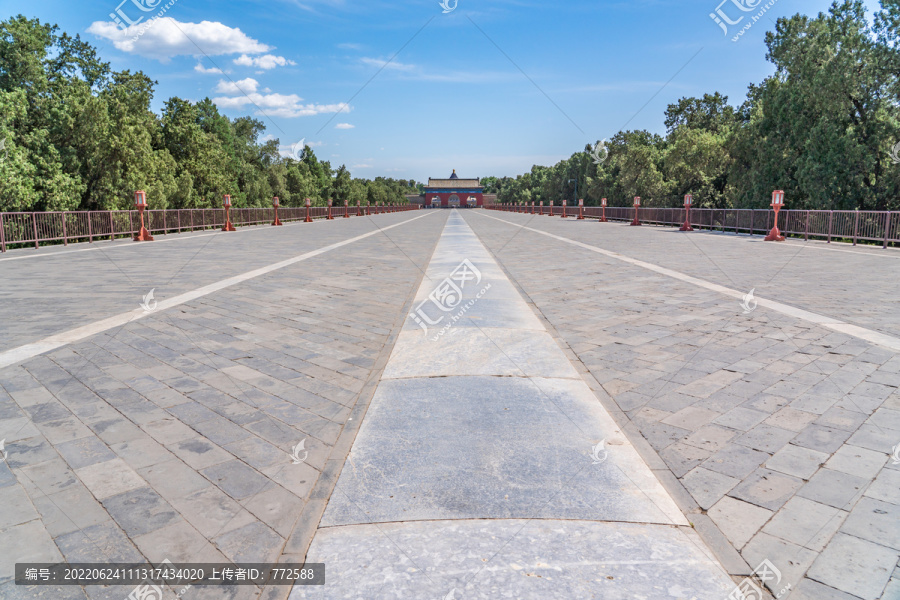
275,203
687,213
140,203
346,209
308,217
532,208
329,217
580,209
603,205
358,208
637,205
541,209
550,212
227,204
777,203
564,208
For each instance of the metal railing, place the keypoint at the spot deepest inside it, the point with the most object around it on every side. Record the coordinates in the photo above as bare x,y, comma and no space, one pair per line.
27,228
847,225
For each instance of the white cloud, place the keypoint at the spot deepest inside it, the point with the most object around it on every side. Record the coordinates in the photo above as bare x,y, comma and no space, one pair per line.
280,105
344,126
361,166
211,71
267,61
348,46
393,65
244,86
165,37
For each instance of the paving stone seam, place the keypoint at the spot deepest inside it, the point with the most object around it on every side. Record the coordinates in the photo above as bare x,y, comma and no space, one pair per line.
718,543
30,350
869,335
298,541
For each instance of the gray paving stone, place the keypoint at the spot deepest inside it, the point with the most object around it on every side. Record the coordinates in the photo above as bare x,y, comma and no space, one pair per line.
806,523
886,487
252,543
681,458
808,589
792,560
738,520
840,490
736,461
236,479
742,418
875,521
104,542
140,511
857,461
707,487
765,438
797,461
823,439
767,489
854,566
69,510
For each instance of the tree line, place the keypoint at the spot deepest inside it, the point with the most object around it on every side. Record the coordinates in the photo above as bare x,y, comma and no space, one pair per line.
75,135
823,127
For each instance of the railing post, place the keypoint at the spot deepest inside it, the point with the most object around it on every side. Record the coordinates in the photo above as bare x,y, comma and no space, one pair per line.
34,225
2,235
90,229
112,230
65,235
806,233
752,218
887,228
855,227
830,218
192,218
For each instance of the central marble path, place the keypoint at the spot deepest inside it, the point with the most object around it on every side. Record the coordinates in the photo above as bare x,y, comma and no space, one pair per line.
486,467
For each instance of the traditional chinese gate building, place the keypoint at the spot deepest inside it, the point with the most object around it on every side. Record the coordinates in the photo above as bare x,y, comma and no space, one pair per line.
454,192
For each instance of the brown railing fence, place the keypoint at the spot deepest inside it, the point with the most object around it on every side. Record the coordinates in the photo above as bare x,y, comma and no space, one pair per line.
33,228
831,225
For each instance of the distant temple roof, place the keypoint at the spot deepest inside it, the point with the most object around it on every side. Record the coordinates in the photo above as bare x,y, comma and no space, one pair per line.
454,182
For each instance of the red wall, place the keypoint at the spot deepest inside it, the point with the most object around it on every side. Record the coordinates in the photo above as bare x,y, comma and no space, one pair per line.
445,198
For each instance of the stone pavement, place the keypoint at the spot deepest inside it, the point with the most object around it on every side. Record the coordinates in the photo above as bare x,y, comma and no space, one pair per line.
773,433
172,436
135,435
486,467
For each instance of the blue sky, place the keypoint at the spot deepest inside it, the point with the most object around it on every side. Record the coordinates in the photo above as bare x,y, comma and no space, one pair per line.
489,88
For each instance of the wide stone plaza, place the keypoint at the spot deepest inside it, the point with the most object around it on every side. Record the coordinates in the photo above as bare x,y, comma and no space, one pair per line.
456,404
